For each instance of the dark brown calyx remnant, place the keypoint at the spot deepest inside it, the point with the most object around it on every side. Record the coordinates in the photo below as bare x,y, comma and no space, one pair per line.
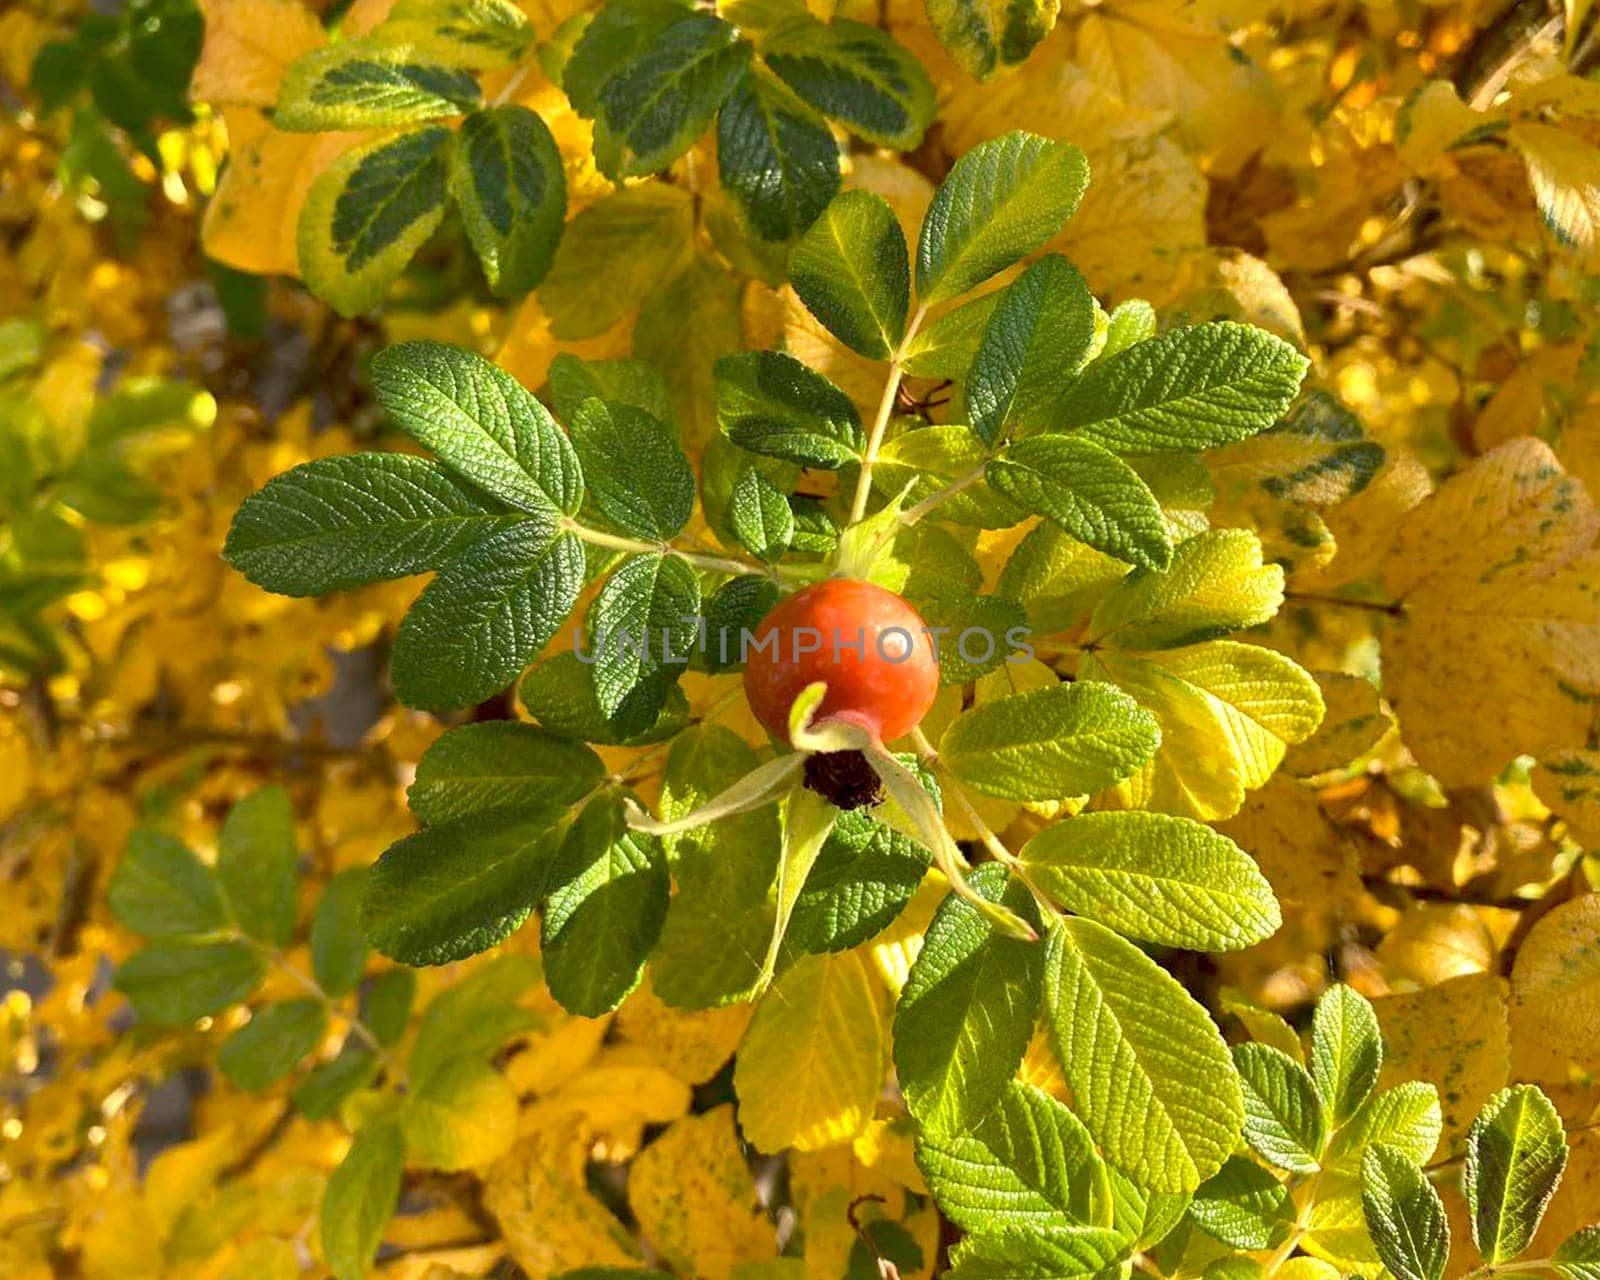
843,777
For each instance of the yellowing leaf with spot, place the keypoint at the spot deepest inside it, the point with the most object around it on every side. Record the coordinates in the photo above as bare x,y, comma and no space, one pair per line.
695,1200
1569,783
1555,984
1564,171
1352,724
549,1220
1454,1036
1309,862
462,1116
1499,581
1437,941
248,45
691,1044
811,1065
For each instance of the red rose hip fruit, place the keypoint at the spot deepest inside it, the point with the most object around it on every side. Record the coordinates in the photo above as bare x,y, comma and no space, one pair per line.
869,647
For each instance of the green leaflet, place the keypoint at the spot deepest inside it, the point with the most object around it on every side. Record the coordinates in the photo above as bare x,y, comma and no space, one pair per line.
386,1003
613,39
481,422
760,516
1284,1121
508,182
1052,744
852,272
1047,1255
501,765
171,983
475,1016
735,607
636,475
1404,1215
458,888
1215,584
938,456
272,1043
1129,322
862,879
947,346
1516,1152
560,694
325,1089
772,404
258,865
1346,1051
607,902
1091,493
361,1198
1164,879
855,74
775,156
620,381
1407,1118
369,212
461,1117
338,947
655,105
1000,202
983,36
1244,1206
1027,1166
966,1013
369,84
486,616
343,522
161,890
1189,389
1037,339
614,254
1056,578
643,629
712,293
1150,1075
1579,1257
977,630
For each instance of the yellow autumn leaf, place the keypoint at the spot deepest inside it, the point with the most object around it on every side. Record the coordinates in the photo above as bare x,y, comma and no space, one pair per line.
691,1044
1353,722
1497,582
1564,172
811,1064
1569,783
696,1201
248,46
1308,860
1454,1036
1555,983
1437,941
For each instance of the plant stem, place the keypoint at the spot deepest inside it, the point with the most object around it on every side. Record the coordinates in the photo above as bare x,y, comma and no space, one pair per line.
880,423
912,514
512,85
314,989
1394,608
717,564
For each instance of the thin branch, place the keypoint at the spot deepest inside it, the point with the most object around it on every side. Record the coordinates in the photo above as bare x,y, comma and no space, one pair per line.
880,422
1394,608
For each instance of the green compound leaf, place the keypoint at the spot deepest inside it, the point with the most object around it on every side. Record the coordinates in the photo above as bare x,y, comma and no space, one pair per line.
486,616
1404,1215
1216,584
361,1198
456,889
1001,201
258,865
369,212
370,84
776,157
272,1043
644,627
508,182
1035,341
1090,492
1149,1073
608,899
637,476
1244,1206
1284,1121
501,765
966,1014
760,516
862,879
655,106
1346,1051
1029,1165
770,403
1189,389
1516,1152
171,983
983,36
1407,1117
482,423
852,272
161,890
343,522
855,74
1051,744
1164,879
